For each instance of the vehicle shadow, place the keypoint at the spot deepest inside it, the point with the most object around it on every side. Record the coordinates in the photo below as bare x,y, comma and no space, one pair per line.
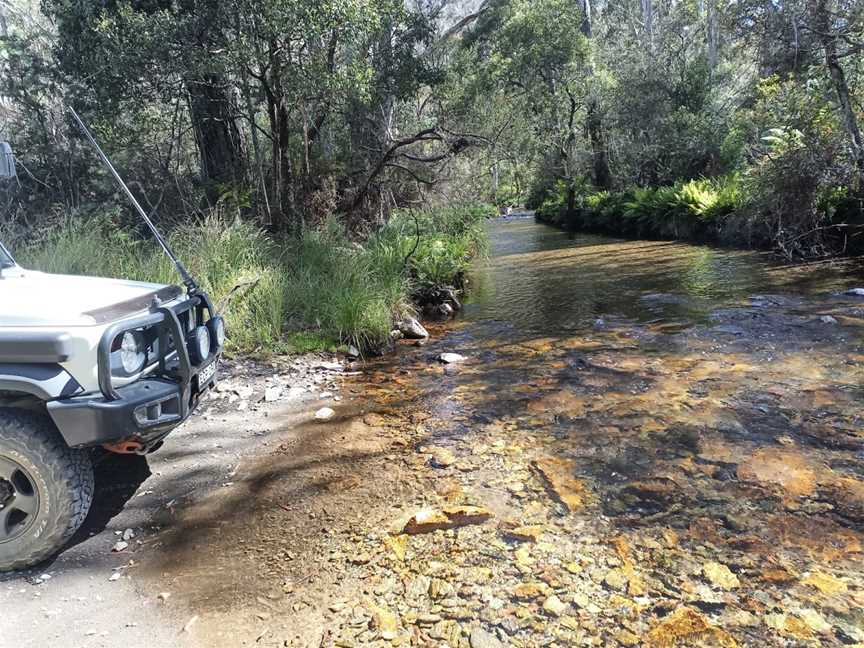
117,478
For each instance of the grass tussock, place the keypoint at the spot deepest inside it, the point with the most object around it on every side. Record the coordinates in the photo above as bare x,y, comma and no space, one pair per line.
317,292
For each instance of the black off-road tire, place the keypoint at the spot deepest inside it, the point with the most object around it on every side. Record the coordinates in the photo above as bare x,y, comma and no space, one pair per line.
61,477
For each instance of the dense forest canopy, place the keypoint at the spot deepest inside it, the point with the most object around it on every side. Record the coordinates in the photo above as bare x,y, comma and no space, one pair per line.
289,112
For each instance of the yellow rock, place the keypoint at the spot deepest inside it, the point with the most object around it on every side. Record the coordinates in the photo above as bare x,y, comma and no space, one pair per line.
574,568
529,591
815,621
789,626
554,606
558,477
719,575
523,556
825,583
788,469
686,627
397,544
626,638
384,621
569,622
670,537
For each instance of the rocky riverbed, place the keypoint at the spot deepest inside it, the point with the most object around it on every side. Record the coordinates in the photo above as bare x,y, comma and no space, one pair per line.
634,485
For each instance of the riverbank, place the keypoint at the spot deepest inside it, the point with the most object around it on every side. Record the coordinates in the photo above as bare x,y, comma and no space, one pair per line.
323,291
718,211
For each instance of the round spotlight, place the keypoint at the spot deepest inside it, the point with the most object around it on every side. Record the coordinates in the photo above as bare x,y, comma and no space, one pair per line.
217,330
199,344
132,352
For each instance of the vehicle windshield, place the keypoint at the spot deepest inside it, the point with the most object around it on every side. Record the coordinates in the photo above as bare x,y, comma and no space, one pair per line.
5,258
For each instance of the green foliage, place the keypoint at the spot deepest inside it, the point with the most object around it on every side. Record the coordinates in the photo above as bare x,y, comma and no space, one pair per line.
435,247
695,209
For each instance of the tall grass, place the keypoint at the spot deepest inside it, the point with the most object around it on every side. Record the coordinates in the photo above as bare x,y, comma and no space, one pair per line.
320,291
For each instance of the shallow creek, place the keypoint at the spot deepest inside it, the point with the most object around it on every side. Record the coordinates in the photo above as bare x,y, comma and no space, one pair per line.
667,439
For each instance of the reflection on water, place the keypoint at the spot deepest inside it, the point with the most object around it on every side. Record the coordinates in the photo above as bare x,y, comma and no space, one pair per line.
539,278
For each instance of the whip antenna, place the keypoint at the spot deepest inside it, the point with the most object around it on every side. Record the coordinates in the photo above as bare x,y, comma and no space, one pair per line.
188,281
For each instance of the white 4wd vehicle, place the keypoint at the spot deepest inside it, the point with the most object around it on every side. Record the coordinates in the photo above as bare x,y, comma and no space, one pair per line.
88,363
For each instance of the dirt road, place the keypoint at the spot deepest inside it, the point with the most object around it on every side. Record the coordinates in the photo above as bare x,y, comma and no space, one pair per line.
93,594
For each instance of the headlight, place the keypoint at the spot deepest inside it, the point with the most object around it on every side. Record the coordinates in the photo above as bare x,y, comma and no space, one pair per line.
133,353
217,330
199,344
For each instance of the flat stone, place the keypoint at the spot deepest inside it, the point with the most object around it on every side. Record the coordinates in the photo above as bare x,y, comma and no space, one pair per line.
825,583
428,520
529,591
384,621
441,457
554,606
719,575
523,533
616,580
481,638
558,477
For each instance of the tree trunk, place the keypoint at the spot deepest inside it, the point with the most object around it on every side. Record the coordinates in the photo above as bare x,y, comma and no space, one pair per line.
594,123
822,22
648,22
283,169
216,132
712,32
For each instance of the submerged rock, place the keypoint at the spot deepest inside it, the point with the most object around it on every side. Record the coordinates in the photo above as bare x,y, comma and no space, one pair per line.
558,476
686,627
441,457
480,638
272,394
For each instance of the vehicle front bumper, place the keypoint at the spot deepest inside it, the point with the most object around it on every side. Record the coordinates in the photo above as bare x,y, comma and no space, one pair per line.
145,411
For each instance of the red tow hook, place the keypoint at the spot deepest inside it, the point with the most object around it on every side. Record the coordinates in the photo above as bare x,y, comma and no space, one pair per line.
128,446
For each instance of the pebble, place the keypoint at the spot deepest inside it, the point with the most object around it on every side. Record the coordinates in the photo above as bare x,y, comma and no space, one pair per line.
451,358
272,394
325,414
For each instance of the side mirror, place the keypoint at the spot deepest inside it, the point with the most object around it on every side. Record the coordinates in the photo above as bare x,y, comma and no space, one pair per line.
7,162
